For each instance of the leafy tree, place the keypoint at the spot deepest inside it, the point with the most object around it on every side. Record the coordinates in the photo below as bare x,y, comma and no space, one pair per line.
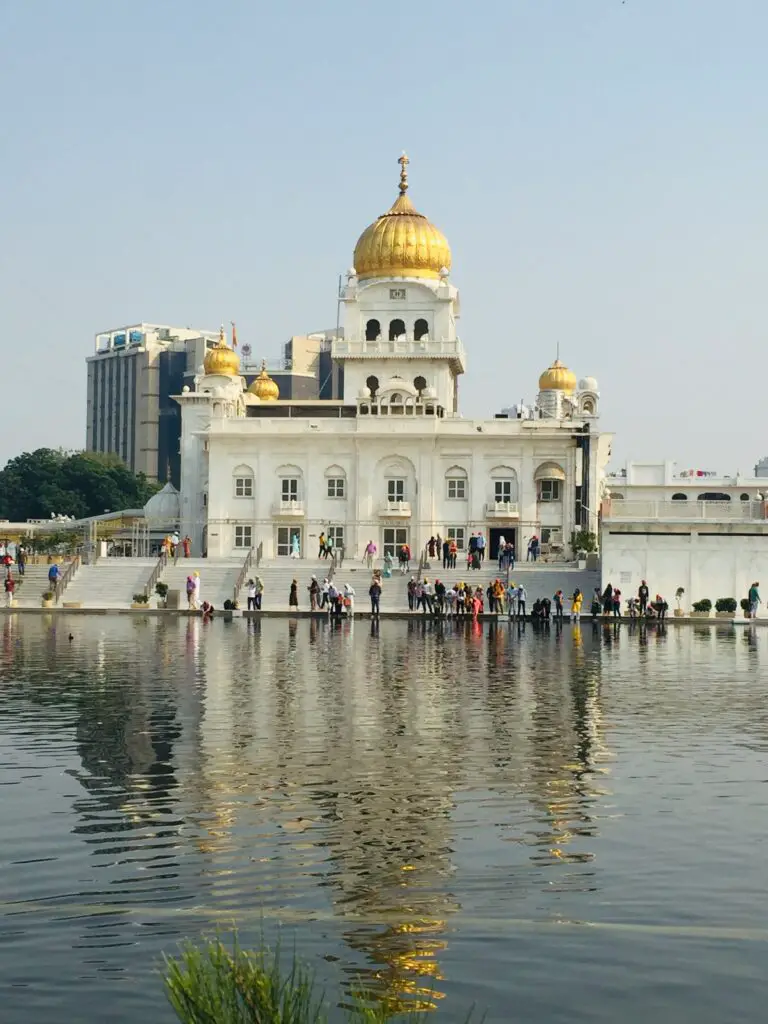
37,484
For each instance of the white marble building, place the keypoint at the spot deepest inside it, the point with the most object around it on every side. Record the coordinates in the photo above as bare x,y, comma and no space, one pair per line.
393,461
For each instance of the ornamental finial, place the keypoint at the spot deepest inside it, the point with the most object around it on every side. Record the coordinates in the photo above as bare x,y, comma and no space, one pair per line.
222,339
403,161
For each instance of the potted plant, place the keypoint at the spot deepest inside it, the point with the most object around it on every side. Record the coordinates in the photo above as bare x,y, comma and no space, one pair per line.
679,599
140,600
701,609
725,608
744,602
47,599
161,589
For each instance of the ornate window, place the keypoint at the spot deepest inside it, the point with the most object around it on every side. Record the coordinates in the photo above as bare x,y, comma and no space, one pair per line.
396,489
420,329
243,481
396,329
456,483
336,486
372,330
549,490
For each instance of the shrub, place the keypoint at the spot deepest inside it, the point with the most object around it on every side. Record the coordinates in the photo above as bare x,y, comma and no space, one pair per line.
744,602
584,540
725,604
48,595
705,605
140,599
161,589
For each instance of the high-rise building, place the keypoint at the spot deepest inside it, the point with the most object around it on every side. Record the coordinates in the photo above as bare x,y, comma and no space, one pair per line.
131,377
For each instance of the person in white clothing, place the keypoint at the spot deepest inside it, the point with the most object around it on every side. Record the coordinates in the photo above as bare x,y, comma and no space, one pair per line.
349,600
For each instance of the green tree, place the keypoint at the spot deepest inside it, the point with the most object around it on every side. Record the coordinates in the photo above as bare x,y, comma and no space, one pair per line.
36,484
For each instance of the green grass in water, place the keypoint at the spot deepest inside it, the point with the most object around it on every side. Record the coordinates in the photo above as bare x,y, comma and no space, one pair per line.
215,984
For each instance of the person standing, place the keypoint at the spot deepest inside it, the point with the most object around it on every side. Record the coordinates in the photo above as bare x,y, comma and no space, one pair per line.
558,600
642,596
502,552
608,599
370,554
411,588
21,559
521,599
349,600
324,588
439,597
251,595
175,545
453,551
481,546
489,593
446,554
186,546
321,544
754,600
387,565
314,590
616,603
426,597
329,551
53,576
259,593
576,605
190,588
196,595
374,592
10,586
293,596
295,546
431,547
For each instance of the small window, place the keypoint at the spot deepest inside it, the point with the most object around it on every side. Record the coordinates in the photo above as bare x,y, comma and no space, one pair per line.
335,487
714,496
395,490
551,535
243,486
420,329
457,489
679,496
397,294
363,410
458,534
549,490
502,490
745,497
243,536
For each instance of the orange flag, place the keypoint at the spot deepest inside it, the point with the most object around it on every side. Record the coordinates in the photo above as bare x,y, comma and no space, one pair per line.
234,334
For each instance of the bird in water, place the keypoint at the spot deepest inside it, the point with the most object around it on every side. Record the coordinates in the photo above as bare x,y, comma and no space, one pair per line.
71,637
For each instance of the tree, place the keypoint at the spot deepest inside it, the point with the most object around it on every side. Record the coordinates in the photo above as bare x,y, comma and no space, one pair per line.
37,484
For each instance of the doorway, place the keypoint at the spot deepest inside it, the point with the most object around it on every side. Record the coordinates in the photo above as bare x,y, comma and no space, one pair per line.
509,533
394,538
285,538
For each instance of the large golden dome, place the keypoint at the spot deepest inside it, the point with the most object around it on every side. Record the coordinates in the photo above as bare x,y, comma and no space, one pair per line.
264,387
221,359
402,242
557,377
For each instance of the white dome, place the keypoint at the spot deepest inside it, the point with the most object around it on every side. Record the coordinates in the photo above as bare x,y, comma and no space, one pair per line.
588,384
164,506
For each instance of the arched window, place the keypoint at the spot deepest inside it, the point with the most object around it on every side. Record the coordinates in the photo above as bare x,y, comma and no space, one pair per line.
714,496
372,330
420,329
679,497
745,497
243,481
456,484
396,329
336,482
396,404
504,480
588,407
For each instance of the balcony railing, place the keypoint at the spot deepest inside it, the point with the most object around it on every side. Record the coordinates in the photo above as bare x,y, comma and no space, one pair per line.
395,509
713,511
361,348
292,507
502,510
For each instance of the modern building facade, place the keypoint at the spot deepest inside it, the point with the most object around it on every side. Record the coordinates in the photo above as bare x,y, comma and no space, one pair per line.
392,459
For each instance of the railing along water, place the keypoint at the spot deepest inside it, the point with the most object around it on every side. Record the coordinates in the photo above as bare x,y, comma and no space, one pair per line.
66,578
243,573
156,573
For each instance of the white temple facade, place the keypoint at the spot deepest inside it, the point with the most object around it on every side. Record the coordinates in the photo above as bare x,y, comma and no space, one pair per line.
393,461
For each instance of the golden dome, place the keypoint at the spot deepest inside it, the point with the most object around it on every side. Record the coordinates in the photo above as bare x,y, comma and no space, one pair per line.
557,378
402,242
264,387
221,359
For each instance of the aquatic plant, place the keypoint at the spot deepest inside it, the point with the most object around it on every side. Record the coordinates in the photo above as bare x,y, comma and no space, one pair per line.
216,984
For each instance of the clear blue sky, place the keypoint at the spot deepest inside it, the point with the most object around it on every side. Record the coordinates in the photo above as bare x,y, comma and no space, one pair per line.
598,167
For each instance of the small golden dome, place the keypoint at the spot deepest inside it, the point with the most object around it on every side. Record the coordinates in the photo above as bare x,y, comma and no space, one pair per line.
557,378
402,242
221,359
264,387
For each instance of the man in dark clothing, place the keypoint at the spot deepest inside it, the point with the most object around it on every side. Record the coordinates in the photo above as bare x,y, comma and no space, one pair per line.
642,596
439,597
375,594
491,598
446,554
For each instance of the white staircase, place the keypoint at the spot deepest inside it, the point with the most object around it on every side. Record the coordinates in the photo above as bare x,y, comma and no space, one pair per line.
110,583
217,578
32,585
539,579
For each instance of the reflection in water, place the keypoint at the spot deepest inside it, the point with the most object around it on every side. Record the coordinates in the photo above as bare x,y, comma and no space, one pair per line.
384,785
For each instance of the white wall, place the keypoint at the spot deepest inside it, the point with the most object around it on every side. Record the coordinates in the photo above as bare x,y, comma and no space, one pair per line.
724,565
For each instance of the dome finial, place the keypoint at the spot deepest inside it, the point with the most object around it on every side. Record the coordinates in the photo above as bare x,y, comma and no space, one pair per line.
222,338
403,161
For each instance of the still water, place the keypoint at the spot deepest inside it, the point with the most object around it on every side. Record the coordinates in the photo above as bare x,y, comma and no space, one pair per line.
556,827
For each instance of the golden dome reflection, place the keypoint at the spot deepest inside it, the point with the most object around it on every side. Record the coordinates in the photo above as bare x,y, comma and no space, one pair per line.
402,242
221,359
557,377
264,387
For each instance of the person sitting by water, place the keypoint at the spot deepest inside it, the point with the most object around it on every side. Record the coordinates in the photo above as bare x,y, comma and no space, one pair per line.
207,610
536,610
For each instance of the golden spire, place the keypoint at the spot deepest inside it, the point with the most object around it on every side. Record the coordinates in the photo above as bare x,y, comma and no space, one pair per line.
221,359
403,161
402,242
264,387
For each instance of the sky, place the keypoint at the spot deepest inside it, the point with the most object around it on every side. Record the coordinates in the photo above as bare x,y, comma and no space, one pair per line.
598,167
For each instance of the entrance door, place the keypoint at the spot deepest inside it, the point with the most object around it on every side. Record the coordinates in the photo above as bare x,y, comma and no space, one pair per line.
394,538
509,533
285,538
